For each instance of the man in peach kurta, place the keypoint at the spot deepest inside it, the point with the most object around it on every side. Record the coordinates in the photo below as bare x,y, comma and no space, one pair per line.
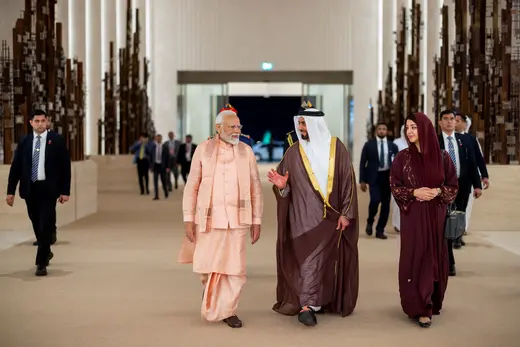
222,202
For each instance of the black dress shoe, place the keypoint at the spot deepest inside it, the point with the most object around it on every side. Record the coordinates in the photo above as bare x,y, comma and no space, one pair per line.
368,229
233,322
462,243
41,271
307,317
452,271
381,236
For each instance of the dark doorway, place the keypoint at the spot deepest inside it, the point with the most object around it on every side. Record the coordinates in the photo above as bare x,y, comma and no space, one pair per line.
260,114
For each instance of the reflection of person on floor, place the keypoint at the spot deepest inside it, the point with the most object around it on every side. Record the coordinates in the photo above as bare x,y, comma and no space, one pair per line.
463,158
374,171
159,165
401,144
462,126
186,151
317,248
423,180
141,152
173,149
41,165
222,203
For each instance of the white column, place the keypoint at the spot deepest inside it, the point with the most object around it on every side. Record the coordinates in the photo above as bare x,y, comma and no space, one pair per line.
93,71
108,34
141,5
62,16
386,35
431,35
120,23
77,41
164,96
364,15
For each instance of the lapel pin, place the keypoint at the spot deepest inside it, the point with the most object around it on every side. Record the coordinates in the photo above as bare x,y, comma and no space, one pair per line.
49,142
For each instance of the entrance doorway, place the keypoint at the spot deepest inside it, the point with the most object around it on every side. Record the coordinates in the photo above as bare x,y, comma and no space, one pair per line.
266,101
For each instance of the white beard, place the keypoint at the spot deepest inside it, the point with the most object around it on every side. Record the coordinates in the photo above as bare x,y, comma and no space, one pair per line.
231,140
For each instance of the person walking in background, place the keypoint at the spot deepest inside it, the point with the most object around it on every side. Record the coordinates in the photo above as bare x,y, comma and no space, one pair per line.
42,167
374,171
141,152
160,165
173,150
186,152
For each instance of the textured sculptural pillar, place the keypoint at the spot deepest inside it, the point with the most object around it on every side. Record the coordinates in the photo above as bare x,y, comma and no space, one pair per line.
93,73
431,34
388,38
62,16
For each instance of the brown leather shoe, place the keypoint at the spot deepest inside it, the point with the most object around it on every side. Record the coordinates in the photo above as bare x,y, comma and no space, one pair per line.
233,322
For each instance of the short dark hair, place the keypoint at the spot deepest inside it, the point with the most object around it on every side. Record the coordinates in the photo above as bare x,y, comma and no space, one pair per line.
446,112
38,112
461,115
143,134
381,123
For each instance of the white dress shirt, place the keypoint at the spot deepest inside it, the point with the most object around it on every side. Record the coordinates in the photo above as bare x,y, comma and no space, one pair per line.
386,164
188,151
455,148
41,160
158,153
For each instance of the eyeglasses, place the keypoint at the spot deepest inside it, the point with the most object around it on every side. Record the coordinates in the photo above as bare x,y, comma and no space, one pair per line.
235,127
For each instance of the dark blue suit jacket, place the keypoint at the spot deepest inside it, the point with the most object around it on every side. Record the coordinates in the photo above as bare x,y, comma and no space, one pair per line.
369,163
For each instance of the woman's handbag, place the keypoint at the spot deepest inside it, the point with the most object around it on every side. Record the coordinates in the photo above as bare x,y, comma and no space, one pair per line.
455,224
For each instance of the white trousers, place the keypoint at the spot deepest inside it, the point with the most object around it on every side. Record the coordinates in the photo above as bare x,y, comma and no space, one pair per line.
396,215
469,208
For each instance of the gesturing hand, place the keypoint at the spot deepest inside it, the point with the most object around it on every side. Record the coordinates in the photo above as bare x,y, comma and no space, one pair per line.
342,223
277,179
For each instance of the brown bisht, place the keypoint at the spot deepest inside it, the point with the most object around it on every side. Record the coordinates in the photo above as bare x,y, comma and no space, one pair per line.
317,265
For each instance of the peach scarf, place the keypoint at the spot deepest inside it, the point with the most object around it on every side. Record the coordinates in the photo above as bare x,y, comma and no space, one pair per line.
244,183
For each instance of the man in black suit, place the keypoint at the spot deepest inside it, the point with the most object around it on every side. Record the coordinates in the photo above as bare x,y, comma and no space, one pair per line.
41,165
374,170
173,149
159,165
462,126
186,152
463,158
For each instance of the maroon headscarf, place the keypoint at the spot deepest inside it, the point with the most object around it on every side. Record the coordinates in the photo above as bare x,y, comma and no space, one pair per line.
429,161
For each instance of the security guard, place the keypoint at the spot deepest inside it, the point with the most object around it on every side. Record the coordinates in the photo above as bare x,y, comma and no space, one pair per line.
243,137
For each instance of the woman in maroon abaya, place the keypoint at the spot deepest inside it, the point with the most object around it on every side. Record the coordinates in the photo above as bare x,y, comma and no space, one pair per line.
424,182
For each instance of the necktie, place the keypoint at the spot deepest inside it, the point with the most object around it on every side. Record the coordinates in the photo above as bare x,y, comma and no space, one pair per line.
451,151
141,152
36,159
382,156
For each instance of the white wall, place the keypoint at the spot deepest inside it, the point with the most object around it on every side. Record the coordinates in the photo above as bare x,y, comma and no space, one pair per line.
240,35
10,11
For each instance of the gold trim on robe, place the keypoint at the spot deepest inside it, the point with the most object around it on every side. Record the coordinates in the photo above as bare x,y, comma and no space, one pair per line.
330,176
